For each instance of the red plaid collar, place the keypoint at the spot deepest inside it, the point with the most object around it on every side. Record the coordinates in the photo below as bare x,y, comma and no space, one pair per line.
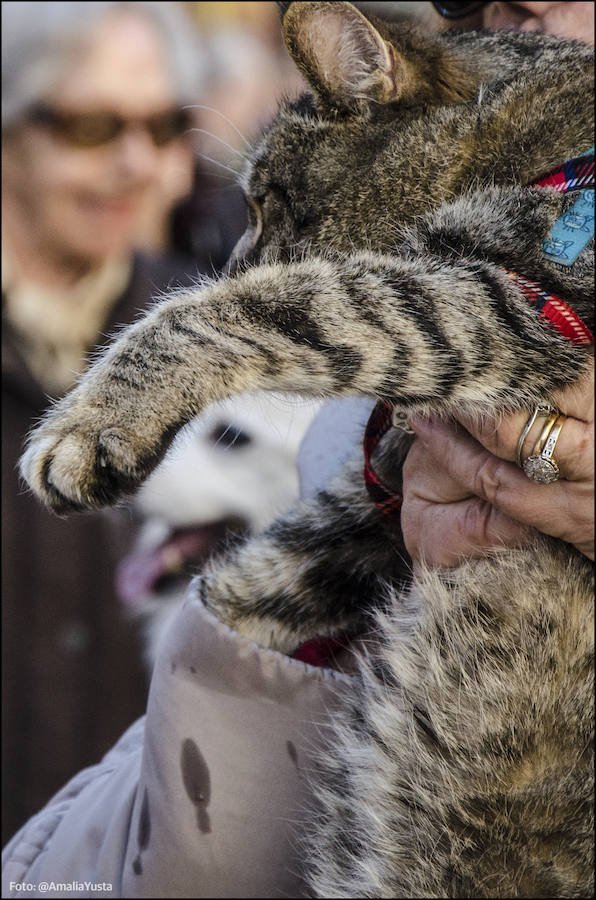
575,174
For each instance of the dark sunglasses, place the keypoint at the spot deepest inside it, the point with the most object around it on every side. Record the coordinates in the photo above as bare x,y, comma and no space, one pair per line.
457,10
95,129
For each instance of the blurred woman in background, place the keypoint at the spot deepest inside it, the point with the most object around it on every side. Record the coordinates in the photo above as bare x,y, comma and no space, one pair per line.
95,140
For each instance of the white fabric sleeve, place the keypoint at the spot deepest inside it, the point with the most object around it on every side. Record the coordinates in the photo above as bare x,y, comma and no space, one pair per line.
208,796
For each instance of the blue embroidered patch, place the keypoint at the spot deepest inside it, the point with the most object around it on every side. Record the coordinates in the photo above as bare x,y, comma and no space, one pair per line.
572,231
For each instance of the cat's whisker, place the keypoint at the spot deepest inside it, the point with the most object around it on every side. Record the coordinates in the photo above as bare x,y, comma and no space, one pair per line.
229,183
221,141
218,112
216,162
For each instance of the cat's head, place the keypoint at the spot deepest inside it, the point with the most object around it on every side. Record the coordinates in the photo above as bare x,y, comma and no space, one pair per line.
313,168
343,167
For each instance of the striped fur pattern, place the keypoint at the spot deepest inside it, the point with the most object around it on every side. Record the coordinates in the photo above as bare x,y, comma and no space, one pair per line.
383,210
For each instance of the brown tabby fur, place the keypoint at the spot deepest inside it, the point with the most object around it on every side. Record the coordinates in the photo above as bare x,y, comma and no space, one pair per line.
382,210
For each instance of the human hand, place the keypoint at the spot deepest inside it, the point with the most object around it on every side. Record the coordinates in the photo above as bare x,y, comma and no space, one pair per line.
464,495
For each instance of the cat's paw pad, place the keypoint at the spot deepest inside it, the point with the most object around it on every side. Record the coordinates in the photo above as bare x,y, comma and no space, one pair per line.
77,467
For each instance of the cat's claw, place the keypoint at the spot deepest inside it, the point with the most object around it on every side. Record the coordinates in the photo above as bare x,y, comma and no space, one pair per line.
71,466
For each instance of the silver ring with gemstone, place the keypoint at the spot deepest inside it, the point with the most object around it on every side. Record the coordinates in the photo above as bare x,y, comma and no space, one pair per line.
541,466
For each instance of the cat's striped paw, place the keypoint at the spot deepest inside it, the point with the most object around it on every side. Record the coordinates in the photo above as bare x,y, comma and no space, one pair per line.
75,462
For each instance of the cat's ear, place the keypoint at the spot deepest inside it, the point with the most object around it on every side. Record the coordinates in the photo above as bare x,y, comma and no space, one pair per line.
348,63
342,56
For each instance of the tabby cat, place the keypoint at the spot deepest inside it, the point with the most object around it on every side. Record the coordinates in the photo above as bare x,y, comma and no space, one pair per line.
384,211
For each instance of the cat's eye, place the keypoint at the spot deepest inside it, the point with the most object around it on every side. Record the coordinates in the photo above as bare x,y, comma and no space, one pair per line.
255,219
253,211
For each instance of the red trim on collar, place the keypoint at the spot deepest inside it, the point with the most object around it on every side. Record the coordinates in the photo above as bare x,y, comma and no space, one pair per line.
557,313
573,175
379,424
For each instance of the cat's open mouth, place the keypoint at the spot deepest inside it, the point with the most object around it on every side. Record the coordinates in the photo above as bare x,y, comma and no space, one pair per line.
170,564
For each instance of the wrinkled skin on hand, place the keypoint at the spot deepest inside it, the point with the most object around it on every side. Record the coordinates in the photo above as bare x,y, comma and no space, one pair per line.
464,494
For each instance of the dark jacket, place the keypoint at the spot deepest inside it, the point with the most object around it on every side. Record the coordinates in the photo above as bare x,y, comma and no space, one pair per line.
72,680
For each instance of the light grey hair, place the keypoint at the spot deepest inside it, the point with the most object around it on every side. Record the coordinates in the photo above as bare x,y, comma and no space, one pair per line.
41,39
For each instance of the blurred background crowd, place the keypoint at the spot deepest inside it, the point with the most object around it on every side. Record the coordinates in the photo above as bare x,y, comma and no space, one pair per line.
123,125
123,128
